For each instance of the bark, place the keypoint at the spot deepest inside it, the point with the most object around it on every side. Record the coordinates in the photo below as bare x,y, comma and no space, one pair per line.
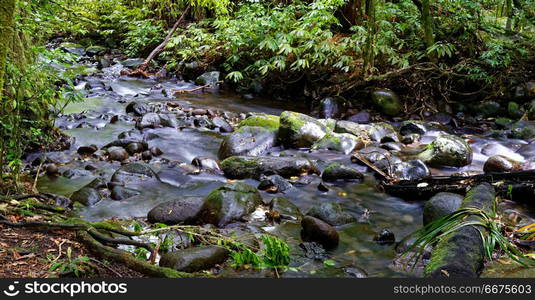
7,11
461,253
160,47
427,23
369,57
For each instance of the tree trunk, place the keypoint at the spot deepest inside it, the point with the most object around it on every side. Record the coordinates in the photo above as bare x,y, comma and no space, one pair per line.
509,14
427,23
7,11
160,47
369,55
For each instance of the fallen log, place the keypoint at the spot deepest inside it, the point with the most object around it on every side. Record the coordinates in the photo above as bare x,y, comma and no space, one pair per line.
461,253
516,185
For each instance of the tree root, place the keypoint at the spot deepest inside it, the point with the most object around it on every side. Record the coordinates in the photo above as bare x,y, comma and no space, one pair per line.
133,263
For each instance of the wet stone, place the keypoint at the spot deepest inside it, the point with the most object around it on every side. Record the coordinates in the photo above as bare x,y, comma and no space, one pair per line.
316,230
194,259
336,171
331,213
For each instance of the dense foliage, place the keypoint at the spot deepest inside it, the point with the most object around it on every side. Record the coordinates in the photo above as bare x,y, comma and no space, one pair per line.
479,48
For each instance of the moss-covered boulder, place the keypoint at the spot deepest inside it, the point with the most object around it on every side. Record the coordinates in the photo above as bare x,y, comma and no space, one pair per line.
248,141
230,202
341,142
358,130
523,130
387,102
72,48
262,120
299,130
241,167
447,150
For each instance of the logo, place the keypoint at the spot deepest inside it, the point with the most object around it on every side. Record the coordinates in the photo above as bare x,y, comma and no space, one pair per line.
11,291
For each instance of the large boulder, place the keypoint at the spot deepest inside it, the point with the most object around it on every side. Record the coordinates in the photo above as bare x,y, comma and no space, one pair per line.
331,213
299,130
447,150
179,211
387,102
440,205
262,120
248,141
194,259
230,202
241,167
137,108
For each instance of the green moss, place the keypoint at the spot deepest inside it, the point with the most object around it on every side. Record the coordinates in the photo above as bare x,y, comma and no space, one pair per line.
237,167
262,120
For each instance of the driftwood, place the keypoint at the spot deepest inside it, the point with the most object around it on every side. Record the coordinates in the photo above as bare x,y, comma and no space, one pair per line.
516,185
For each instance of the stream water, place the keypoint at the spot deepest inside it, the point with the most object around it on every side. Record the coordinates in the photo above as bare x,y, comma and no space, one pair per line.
107,94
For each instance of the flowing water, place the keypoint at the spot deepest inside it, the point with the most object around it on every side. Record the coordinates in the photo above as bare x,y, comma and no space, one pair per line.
108,94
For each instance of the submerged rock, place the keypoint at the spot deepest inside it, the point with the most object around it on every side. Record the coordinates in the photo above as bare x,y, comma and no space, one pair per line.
180,211
447,150
331,213
387,101
240,167
440,205
194,259
315,230
299,130
248,141
228,203
336,171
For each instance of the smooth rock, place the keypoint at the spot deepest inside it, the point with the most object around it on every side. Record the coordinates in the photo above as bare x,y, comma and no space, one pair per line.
194,259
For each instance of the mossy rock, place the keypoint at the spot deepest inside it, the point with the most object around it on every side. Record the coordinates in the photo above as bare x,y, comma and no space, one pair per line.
248,141
387,102
447,150
262,120
299,130
228,203
341,142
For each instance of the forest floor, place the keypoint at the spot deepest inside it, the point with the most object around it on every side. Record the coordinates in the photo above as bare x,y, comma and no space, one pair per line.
27,253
